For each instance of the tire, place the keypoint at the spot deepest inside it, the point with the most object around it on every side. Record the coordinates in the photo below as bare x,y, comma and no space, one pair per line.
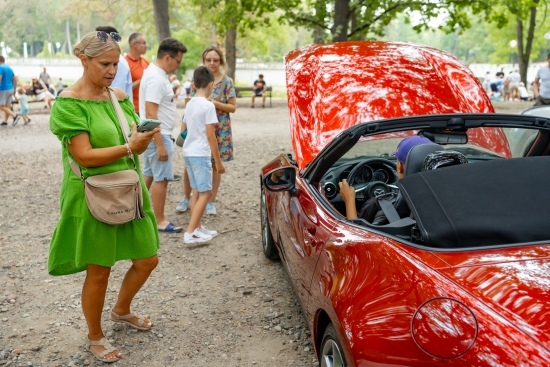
268,244
332,354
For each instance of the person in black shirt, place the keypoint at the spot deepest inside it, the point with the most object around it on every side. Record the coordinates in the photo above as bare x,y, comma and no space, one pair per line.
259,90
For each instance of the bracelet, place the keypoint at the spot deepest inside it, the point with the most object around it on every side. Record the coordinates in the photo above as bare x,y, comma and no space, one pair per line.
128,150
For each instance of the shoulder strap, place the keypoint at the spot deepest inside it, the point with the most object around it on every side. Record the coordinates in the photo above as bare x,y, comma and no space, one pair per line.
222,88
120,115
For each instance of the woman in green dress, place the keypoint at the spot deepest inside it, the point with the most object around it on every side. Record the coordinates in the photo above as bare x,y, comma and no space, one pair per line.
84,119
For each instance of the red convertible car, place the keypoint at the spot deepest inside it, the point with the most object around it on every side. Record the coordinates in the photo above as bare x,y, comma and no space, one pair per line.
457,272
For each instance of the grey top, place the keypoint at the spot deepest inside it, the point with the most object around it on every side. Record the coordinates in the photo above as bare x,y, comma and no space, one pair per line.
544,84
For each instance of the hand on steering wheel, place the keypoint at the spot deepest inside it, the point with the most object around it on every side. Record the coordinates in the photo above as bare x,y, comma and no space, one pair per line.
367,190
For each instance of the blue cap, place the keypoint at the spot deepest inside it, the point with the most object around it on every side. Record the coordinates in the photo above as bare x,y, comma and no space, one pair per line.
405,146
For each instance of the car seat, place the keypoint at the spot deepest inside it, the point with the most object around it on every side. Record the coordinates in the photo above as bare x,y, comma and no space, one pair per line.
422,157
413,164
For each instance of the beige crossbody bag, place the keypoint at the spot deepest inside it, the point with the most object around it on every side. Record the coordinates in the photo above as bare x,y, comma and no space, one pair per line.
113,198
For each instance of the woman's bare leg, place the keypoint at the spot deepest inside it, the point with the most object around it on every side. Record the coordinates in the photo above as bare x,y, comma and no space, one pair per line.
216,181
134,279
93,299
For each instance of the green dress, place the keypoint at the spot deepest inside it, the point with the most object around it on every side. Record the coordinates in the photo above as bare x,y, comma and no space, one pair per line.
80,239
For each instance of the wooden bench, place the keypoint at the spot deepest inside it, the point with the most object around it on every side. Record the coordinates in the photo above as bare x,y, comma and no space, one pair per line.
239,90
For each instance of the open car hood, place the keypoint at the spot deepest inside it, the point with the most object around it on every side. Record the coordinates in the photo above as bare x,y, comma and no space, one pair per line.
335,86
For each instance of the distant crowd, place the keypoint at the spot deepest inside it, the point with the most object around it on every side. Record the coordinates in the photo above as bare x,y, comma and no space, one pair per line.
507,87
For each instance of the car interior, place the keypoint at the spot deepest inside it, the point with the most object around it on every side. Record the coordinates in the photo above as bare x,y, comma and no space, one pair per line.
413,210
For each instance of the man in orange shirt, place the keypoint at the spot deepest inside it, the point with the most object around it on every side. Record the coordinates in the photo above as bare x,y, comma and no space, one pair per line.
138,47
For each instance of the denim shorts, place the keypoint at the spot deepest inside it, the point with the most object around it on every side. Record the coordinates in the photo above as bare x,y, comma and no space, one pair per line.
152,167
199,170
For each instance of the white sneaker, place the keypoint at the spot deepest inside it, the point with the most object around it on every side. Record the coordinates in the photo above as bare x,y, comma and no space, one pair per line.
196,237
183,205
210,209
208,231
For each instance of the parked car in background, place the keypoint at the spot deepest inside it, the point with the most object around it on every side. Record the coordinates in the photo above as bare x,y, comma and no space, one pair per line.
461,279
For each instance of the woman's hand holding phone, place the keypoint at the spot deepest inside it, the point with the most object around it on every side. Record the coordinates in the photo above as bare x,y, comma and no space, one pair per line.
148,125
138,142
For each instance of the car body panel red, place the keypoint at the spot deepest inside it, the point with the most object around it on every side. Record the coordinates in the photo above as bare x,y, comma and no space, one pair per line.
517,287
333,87
374,287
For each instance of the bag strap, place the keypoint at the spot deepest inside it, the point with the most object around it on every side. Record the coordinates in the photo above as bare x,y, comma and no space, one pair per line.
125,132
222,89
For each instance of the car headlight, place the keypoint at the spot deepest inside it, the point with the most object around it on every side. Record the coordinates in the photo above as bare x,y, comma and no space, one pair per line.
444,328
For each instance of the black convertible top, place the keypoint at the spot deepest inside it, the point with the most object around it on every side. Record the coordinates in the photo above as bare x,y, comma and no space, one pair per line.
481,204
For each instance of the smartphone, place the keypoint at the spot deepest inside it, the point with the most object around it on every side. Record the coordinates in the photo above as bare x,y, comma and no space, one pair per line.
147,125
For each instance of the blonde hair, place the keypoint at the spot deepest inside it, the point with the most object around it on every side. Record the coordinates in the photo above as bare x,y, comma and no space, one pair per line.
91,46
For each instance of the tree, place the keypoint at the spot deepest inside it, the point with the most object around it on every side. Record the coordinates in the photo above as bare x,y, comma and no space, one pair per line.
232,17
524,14
342,20
162,19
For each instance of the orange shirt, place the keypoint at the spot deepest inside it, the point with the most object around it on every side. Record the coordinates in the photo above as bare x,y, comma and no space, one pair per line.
136,69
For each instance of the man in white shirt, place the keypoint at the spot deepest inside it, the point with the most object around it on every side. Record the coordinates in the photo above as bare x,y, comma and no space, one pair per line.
541,85
156,101
123,78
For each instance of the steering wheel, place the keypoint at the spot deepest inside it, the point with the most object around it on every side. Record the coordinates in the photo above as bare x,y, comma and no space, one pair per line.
367,190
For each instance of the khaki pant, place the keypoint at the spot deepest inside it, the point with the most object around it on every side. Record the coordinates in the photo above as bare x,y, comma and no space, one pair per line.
539,101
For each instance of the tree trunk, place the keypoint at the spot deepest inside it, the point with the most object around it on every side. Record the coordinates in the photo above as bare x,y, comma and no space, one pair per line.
231,50
525,53
162,19
341,20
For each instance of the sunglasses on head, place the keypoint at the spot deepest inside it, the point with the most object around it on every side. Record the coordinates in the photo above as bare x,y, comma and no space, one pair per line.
103,36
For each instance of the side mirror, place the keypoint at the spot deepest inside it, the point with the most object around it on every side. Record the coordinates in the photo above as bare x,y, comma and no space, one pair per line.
280,179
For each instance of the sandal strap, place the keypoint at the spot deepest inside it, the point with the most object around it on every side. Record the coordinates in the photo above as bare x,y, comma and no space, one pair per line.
101,342
140,322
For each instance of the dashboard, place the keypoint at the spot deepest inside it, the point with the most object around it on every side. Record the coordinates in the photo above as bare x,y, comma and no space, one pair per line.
368,170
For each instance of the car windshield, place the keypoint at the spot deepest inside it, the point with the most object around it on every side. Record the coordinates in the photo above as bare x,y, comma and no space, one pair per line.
384,145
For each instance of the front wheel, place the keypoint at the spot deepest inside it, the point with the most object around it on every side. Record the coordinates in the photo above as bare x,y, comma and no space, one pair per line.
331,349
268,244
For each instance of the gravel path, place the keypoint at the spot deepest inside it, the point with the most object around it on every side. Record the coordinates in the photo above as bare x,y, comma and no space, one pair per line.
221,304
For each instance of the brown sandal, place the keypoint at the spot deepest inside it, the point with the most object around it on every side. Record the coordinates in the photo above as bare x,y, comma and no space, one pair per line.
108,349
126,320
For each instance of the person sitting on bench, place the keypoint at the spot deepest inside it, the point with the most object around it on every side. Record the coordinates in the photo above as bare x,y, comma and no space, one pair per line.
259,89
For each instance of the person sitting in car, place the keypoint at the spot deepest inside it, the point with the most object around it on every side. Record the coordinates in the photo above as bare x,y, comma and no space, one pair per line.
347,192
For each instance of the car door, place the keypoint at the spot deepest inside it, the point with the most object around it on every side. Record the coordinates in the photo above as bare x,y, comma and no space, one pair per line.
308,227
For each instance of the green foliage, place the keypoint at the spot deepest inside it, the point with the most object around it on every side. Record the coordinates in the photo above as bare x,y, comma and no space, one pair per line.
194,44
45,51
369,18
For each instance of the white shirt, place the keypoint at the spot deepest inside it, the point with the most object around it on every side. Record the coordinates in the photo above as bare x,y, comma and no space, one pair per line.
515,78
156,88
544,83
523,92
199,112
123,77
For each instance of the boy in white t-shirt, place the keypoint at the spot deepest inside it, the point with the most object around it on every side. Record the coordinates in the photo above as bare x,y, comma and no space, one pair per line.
199,148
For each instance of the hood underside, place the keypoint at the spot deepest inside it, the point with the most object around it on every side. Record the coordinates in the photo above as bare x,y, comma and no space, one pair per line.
335,86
